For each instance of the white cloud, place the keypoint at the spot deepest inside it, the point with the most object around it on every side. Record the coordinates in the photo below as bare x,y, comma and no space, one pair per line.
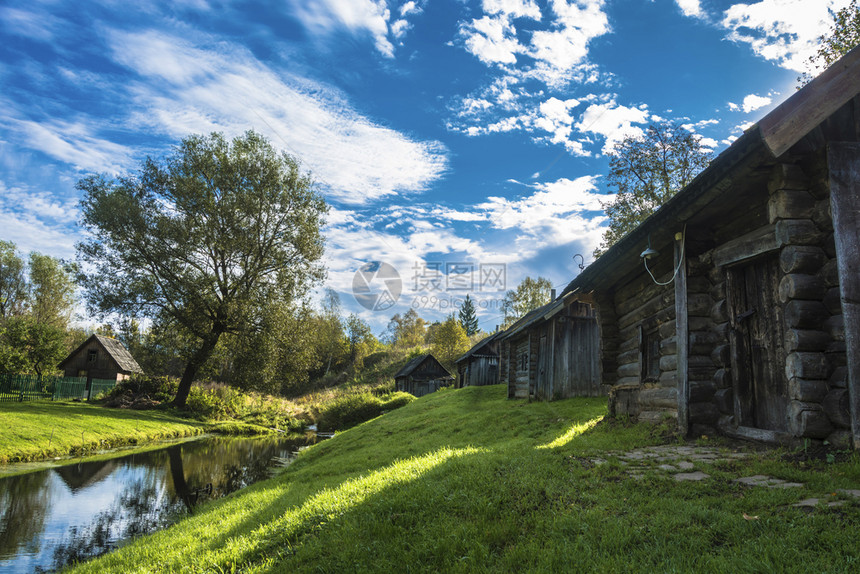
225,88
753,102
36,26
373,17
690,8
492,40
513,8
565,45
613,122
784,31
37,220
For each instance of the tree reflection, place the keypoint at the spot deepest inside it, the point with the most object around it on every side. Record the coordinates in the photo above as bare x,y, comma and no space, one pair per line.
24,502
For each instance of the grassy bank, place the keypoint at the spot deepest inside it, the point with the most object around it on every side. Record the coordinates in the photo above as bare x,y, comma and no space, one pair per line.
464,481
40,430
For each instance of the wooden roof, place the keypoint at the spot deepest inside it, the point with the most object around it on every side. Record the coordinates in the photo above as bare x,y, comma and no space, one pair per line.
473,352
115,350
720,189
412,365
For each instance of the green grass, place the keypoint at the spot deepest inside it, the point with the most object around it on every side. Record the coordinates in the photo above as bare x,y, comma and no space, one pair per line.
40,430
467,481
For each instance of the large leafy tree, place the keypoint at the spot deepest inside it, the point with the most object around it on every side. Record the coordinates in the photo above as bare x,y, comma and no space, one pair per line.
844,34
407,330
52,290
449,341
13,284
528,296
209,239
645,172
468,316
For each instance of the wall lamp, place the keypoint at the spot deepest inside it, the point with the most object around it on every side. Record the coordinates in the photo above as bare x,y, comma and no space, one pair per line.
650,253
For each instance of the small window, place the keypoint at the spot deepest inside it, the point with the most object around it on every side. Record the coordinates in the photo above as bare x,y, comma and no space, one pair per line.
524,361
92,355
650,357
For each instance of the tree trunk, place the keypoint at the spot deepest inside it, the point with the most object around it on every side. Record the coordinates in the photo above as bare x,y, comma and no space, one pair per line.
194,363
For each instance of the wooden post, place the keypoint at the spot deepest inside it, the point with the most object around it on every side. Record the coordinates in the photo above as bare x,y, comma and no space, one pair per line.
682,332
843,161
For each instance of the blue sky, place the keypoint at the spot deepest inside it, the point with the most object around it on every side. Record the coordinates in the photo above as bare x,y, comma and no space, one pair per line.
458,135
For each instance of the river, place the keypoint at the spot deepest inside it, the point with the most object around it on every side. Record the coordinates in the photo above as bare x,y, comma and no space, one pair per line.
53,517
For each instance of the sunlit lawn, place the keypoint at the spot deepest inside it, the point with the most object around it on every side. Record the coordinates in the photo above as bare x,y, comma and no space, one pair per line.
465,481
38,430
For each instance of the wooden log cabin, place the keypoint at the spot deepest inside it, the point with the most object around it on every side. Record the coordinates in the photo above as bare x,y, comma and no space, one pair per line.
751,324
479,366
100,358
422,375
552,352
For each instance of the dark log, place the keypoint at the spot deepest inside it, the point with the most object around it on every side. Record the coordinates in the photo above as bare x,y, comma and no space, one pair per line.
703,342
821,215
829,246
835,327
806,366
704,413
805,314
627,381
832,301
723,378
699,305
658,398
801,259
836,404
721,355
702,391
790,204
724,401
669,379
630,370
657,417
805,340
720,311
840,439
799,286
698,284
649,308
837,348
751,244
797,232
787,176
830,273
718,291
808,420
717,275
669,346
666,330
700,324
723,329
839,378
669,363
700,367
806,390
631,356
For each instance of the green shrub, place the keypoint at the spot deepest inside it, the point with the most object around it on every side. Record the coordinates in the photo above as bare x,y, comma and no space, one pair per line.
349,410
397,400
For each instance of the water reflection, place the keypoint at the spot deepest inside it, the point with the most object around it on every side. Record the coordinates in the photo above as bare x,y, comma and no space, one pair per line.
55,517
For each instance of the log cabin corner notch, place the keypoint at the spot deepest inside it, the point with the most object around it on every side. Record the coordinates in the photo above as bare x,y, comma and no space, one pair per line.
758,336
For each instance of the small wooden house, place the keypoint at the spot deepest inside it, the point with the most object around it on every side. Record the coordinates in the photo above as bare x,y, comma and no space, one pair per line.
422,375
100,358
552,352
480,365
750,324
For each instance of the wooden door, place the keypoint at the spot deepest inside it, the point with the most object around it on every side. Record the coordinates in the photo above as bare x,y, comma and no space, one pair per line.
757,345
542,382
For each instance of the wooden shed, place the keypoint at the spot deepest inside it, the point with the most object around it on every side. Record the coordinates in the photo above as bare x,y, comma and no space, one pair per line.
100,358
552,352
422,375
480,365
751,323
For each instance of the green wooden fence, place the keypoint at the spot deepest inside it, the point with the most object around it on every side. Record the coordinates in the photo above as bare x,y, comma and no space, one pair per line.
18,388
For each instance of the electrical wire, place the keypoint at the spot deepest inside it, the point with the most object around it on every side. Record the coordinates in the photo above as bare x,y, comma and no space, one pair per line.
680,261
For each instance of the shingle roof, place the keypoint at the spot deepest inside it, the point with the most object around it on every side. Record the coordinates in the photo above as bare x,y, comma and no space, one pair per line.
115,351
415,363
479,345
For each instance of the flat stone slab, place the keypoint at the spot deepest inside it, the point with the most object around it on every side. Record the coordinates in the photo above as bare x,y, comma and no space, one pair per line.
686,465
813,502
847,492
694,476
767,481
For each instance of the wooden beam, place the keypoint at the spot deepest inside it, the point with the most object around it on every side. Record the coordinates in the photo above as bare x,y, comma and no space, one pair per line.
806,109
754,243
682,333
843,161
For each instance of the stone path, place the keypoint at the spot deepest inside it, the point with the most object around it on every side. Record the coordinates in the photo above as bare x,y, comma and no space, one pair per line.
689,463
